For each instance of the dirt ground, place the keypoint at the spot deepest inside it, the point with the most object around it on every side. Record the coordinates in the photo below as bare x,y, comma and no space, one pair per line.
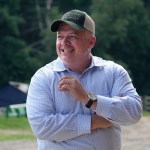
135,137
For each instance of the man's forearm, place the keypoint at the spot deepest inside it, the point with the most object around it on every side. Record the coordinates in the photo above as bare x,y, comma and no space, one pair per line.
99,122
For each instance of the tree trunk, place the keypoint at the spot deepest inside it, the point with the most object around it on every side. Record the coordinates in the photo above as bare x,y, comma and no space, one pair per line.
48,8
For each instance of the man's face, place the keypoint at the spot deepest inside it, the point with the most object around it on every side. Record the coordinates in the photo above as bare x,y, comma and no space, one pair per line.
73,46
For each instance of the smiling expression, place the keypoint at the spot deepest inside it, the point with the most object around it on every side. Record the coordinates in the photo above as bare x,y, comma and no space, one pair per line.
74,46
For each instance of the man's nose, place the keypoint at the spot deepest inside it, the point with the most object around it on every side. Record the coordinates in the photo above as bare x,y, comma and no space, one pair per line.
65,41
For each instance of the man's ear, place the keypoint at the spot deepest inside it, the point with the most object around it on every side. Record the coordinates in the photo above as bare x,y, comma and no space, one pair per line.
92,41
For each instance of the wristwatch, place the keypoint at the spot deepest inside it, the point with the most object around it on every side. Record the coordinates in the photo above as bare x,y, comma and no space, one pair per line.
92,97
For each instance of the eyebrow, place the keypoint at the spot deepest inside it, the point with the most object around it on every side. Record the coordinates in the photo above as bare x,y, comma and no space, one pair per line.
71,32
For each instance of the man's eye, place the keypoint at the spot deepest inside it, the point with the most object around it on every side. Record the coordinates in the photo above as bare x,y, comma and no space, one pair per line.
74,36
59,37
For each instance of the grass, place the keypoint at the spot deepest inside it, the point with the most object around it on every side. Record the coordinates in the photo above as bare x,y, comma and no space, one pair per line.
13,128
14,123
146,113
16,137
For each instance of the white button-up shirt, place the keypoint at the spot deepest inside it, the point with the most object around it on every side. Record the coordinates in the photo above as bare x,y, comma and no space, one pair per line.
60,122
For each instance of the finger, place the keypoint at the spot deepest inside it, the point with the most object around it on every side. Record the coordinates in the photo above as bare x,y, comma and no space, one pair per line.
64,84
64,81
65,77
64,87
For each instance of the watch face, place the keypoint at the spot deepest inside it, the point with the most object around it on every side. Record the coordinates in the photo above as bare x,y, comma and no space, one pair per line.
92,96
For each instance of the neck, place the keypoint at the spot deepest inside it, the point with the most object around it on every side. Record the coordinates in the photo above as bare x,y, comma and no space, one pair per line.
79,67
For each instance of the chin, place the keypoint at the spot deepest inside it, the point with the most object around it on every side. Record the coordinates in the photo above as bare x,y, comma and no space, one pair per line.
68,61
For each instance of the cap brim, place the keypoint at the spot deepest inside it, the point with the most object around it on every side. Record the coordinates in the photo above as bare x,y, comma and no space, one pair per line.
55,25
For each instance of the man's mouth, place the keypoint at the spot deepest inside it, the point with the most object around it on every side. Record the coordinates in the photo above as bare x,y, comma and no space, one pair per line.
67,51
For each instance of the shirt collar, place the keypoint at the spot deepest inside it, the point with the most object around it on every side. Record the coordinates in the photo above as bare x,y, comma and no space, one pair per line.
58,65
97,61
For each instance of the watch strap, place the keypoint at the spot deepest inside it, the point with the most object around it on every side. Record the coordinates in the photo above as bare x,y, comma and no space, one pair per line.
89,104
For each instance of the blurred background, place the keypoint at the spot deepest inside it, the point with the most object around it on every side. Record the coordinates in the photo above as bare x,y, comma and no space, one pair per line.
26,44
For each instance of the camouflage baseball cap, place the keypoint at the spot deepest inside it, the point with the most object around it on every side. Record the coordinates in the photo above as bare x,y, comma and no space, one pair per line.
77,19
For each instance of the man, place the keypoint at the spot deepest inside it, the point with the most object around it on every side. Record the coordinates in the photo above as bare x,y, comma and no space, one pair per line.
79,101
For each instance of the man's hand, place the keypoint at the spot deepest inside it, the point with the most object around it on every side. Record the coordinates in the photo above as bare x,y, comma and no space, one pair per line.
99,122
72,85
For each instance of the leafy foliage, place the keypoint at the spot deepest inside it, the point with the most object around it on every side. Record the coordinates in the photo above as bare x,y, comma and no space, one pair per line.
122,31
14,58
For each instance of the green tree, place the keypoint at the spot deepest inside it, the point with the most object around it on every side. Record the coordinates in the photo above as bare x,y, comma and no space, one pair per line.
15,62
123,31
66,5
